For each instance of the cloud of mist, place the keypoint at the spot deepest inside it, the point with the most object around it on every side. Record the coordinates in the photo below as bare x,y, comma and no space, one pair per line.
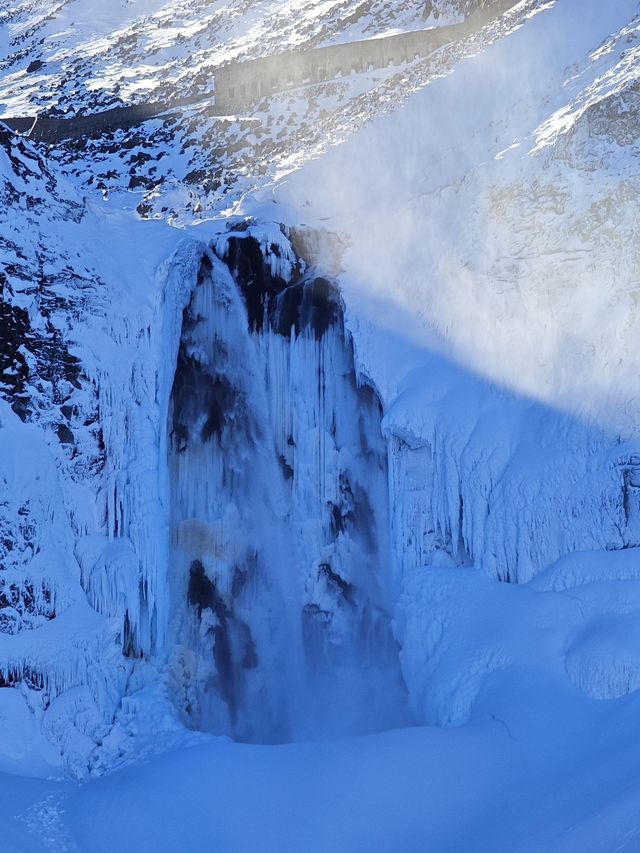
521,257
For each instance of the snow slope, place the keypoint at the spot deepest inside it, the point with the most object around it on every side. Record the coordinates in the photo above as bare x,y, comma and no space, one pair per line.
195,164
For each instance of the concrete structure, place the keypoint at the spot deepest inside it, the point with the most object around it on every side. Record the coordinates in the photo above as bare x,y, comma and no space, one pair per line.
240,84
52,130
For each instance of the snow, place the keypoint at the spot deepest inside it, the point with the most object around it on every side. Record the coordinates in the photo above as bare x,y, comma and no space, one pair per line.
483,236
461,235
88,49
443,787
77,533
279,493
24,749
448,189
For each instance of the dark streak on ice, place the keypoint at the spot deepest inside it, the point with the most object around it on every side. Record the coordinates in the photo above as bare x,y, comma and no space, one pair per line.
233,643
311,303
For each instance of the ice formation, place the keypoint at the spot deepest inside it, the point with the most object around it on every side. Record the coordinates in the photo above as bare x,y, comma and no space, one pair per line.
279,508
282,499
257,519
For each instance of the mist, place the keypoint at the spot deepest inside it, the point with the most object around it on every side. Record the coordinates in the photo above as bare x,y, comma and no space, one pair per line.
477,211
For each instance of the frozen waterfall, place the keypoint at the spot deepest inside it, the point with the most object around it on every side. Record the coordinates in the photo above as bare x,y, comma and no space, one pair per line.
280,554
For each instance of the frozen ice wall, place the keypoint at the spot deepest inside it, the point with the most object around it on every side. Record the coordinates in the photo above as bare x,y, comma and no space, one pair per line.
279,508
505,484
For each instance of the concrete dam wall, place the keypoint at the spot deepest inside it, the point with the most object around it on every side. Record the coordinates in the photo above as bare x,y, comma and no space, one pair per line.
241,84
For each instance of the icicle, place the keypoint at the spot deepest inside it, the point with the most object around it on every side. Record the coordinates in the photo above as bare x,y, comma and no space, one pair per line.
276,446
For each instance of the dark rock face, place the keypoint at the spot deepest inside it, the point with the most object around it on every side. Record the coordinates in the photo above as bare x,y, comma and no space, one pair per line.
14,371
31,360
233,646
204,596
202,592
35,354
205,401
253,275
304,303
310,304
199,395
341,586
354,514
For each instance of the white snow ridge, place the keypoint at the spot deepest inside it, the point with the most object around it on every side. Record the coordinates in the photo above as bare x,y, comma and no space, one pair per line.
319,426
